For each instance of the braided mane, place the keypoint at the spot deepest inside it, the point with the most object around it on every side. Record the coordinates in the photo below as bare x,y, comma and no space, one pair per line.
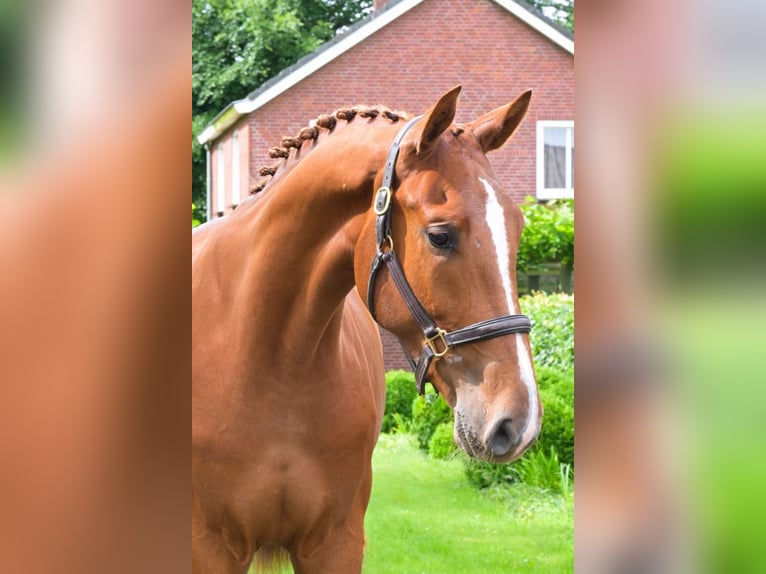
324,123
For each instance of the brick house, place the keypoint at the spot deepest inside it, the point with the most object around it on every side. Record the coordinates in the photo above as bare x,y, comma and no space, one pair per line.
405,55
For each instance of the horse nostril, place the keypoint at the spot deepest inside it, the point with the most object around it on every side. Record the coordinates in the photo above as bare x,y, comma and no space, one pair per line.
503,438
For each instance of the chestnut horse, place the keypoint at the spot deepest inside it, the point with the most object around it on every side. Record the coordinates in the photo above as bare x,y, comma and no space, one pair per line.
288,387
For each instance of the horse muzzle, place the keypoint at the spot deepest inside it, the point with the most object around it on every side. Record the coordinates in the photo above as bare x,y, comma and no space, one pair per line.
504,440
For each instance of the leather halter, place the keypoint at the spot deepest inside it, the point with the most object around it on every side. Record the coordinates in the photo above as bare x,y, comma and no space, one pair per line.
437,341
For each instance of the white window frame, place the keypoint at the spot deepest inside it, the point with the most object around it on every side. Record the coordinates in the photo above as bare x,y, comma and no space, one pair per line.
220,183
567,192
235,196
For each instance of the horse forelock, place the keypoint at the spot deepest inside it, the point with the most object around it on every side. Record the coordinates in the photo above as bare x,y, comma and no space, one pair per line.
324,124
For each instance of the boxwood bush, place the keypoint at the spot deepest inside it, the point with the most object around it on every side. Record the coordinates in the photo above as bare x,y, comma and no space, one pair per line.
485,474
427,413
557,396
442,444
400,392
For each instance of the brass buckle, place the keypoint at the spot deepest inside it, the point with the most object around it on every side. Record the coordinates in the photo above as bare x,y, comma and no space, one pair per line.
431,342
386,239
382,202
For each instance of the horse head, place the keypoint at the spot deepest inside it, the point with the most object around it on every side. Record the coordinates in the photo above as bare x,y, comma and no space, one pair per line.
453,231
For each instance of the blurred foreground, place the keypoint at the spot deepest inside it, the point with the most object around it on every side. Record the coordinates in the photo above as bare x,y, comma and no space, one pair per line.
671,199
94,405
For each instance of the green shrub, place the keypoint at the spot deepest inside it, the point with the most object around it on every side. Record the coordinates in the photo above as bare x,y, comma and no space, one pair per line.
442,444
483,474
552,336
427,413
544,470
400,392
566,479
556,440
548,234
536,468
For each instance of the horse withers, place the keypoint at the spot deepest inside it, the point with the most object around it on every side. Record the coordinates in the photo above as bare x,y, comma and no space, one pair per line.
288,388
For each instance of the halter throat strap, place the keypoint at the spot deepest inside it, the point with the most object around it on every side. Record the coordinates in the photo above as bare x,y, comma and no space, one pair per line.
437,342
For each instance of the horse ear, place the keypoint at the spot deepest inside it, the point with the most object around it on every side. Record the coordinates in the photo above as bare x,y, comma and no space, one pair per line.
494,128
436,120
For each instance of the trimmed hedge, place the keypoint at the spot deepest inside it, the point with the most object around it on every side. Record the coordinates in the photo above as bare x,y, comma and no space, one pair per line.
552,336
548,234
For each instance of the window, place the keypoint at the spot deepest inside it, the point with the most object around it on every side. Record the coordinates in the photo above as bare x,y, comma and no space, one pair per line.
220,189
555,159
235,169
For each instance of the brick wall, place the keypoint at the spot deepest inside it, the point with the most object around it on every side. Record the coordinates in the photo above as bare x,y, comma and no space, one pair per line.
393,355
407,65
413,60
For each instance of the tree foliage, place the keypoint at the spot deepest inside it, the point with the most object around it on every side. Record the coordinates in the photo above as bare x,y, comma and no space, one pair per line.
239,44
561,11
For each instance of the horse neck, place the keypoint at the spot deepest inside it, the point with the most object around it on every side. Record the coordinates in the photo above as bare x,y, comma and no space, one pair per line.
299,248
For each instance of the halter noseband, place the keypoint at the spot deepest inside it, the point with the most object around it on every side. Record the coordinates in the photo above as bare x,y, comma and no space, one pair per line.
437,341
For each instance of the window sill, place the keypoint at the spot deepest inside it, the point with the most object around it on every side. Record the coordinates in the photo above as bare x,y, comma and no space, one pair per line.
555,194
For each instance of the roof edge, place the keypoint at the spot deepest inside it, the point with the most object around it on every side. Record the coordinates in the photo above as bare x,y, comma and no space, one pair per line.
219,124
538,21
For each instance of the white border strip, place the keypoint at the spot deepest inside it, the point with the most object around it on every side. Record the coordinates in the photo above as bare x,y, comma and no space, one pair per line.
538,24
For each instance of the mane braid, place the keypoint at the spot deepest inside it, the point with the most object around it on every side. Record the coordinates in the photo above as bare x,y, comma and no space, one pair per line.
324,122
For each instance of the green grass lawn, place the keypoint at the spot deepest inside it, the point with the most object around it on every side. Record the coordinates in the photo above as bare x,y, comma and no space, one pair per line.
424,517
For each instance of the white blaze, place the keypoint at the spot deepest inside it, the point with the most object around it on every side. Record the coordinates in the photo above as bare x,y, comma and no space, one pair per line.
495,217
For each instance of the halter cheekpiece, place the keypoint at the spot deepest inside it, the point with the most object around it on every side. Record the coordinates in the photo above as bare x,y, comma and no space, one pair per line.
437,342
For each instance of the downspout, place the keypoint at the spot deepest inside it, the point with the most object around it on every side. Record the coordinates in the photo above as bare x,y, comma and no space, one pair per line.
208,184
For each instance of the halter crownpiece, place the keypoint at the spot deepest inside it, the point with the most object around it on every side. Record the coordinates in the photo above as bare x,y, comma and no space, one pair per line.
437,342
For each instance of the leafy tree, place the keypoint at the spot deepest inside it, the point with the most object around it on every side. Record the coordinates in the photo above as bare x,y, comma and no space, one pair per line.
561,11
239,44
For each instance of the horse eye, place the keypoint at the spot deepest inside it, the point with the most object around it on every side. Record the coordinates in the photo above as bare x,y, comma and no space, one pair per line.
440,239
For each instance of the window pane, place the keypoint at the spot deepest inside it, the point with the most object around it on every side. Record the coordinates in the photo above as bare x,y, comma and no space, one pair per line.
235,169
220,190
555,157
555,136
